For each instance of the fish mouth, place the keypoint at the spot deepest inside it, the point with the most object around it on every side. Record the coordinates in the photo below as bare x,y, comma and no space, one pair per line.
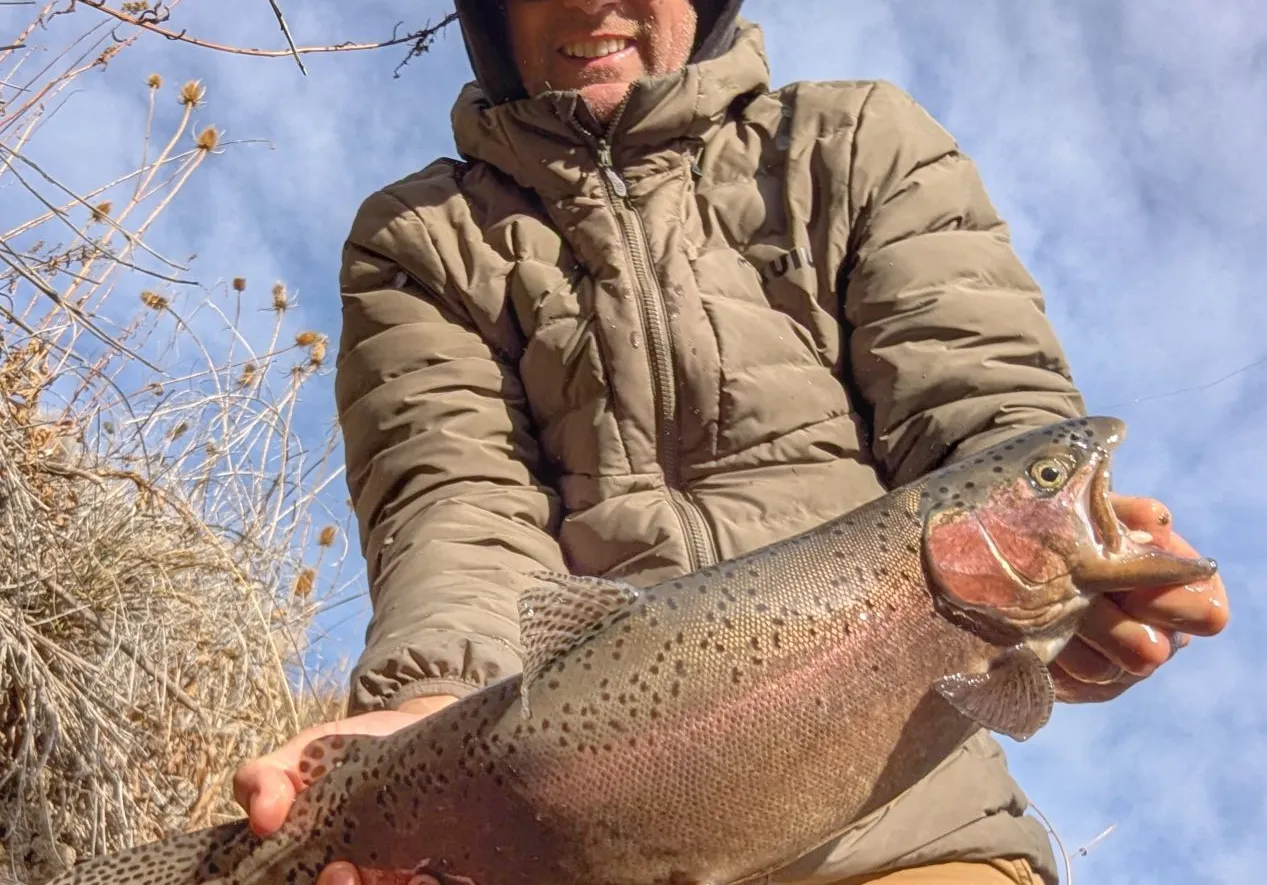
1107,528
1122,559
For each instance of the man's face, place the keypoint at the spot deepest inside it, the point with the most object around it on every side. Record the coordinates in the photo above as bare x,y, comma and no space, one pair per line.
598,47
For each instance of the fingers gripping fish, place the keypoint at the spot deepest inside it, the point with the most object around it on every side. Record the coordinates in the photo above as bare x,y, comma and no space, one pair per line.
715,727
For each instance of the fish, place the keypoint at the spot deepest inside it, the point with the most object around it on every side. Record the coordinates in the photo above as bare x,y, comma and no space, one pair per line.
713,728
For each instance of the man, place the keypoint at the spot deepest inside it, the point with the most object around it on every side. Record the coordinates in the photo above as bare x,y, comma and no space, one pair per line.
638,330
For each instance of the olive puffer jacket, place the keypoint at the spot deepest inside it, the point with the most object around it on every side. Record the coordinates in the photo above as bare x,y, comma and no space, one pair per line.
737,314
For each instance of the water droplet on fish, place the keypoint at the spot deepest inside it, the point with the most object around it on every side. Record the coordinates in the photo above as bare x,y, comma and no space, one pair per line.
1140,537
862,616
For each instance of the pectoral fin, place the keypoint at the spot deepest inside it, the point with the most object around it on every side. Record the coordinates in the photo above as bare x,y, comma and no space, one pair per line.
1014,697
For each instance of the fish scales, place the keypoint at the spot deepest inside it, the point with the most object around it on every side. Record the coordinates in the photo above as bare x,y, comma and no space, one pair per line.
712,728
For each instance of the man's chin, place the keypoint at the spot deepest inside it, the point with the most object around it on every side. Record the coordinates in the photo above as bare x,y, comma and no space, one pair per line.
604,98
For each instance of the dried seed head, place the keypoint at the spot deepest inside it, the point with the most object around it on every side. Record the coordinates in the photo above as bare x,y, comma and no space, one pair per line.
208,139
326,538
153,300
154,81
210,449
304,582
191,93
279,297
248,374
179,430
307,338
101,210
317,355
239,284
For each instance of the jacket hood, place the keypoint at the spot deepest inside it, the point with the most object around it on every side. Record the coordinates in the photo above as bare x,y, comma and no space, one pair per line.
483,24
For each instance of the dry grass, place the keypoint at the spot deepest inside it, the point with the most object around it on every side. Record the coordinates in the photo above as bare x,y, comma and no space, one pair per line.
163,532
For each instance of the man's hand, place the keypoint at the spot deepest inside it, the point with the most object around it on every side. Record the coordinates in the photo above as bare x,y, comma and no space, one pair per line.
266,787
1127,636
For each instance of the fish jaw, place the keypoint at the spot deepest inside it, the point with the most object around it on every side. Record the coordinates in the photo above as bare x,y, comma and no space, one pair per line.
1031,537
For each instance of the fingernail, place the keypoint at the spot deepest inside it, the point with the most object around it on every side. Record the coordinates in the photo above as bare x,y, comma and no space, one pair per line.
1107,673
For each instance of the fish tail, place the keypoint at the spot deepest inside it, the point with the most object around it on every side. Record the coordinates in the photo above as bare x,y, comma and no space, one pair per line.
206,856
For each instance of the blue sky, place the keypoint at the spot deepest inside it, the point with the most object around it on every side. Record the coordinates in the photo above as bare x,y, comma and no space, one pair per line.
1122,141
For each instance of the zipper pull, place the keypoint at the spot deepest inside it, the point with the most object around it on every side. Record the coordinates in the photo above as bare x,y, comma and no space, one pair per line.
609,170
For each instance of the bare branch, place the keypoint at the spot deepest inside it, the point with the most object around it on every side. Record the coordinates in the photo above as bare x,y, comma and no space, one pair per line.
90,616
99,250
281,21
419,38
19,267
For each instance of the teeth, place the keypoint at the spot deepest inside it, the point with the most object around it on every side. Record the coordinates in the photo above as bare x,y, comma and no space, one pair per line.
595,48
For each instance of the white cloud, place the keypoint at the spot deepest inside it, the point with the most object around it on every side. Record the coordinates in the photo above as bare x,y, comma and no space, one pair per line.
1123,142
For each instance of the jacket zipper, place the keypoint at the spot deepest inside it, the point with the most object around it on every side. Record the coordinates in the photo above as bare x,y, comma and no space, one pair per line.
701,547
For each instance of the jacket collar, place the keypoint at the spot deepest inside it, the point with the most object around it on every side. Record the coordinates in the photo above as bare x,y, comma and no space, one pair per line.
543,142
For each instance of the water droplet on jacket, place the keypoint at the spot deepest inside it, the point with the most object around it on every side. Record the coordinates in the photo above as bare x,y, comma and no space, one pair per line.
635,340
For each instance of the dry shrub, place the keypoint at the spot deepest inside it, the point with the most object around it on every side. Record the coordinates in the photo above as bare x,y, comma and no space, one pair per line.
166,534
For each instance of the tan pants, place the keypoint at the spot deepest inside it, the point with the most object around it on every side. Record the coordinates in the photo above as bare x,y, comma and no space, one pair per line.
995,872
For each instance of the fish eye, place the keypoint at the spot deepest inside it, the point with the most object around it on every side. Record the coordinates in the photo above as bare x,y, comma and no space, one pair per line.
1049,474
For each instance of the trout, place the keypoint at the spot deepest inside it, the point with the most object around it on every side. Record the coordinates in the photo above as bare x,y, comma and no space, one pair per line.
714,728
